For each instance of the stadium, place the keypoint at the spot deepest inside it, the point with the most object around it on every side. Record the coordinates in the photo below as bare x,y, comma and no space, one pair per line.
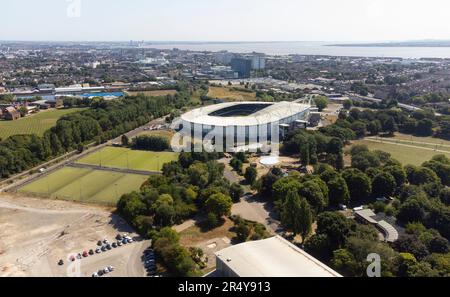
245,123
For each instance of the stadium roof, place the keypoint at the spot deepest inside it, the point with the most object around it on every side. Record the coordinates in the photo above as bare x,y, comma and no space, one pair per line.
272,113
273,257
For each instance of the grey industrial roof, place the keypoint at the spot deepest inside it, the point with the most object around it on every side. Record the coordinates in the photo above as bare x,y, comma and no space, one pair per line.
274,112
273,257
390,233
367,215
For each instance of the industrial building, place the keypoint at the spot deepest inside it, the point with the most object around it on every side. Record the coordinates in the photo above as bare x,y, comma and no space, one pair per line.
245,122
242,66
273,257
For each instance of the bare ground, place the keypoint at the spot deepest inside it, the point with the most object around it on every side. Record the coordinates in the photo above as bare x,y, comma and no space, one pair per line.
35,234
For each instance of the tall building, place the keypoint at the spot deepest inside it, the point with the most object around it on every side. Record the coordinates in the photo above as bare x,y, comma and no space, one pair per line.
223,57
242,66
258,61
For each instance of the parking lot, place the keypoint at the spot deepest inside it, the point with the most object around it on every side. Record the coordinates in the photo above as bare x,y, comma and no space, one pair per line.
36,234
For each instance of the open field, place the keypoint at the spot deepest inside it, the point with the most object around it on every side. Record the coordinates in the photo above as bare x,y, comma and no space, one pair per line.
37,233
425,142
34,124
162,133
154,93
85,185
117,157
413,154
227,93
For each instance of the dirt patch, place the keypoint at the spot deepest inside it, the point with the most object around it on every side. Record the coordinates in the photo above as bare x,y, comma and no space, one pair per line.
35,234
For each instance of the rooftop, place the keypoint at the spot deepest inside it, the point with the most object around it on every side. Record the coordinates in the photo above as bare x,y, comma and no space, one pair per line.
273,257
272,113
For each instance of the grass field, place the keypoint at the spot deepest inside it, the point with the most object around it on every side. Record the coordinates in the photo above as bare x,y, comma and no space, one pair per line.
425,142
154,93
406,153
85,185
227,93
34,124
162,133
116,157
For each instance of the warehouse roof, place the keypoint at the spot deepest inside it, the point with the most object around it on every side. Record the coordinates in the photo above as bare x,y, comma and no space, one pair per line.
273,257
272,113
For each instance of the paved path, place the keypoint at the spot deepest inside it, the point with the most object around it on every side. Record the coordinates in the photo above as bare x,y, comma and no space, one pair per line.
113,169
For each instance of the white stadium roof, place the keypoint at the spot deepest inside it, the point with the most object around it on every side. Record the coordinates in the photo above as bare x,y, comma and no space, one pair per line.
273,257
272,113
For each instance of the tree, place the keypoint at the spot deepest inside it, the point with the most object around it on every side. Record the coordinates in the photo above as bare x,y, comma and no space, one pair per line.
348,104
23,111
424,127
398,173
374,127
314,194
411,211
383,185
305,219
125,140
250,175
335,226
359,184
219,204
420,175
236,191
321,102
390,126
344,262
296,214
359,128
338,191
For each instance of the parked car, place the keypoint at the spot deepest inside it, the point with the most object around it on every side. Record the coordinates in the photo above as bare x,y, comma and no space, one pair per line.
119,243
105,241
119,237
100,272
85,254
99,243
124,241
111,268
129,240
98,250
114,245
108,246
95,274
91,252
79,256
60,262
103,248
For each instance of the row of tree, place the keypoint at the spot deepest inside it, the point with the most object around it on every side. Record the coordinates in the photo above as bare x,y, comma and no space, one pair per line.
111,119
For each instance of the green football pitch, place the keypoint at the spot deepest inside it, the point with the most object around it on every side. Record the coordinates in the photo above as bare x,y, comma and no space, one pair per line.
123,158
85,185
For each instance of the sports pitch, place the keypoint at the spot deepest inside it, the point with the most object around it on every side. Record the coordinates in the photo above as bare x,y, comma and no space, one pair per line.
124,158
85,185
34,124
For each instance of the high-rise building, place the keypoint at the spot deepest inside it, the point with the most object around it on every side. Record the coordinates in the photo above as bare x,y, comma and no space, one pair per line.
223,57
242,66
258,61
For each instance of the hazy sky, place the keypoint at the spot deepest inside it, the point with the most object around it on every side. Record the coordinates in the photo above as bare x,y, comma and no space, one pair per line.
224,20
